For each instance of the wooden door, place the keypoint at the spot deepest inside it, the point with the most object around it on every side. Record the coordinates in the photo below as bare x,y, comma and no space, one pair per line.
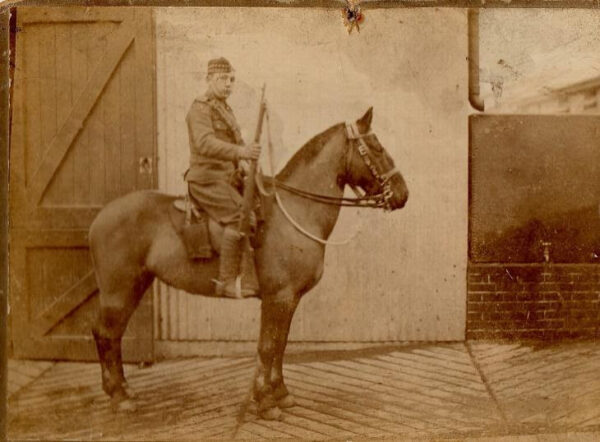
82,134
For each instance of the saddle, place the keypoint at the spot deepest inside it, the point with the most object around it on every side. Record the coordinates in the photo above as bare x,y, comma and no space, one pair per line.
191,222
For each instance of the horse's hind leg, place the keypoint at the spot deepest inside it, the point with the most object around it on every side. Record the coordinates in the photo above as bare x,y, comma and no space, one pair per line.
116,307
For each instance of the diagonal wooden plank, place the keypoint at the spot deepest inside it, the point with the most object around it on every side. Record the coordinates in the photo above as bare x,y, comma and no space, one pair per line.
299,421
430,389
484,353
425,372
65,304
530,372
261,432
296,431
381,401
30,368
377,412
363,418
151,387
455,357
538,382
120,40
404,395
355,422
501,361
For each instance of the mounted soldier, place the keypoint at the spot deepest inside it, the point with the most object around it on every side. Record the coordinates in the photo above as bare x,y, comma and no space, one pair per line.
292,253
217,157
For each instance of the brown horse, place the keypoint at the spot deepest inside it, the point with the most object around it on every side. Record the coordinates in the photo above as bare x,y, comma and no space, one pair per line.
132,241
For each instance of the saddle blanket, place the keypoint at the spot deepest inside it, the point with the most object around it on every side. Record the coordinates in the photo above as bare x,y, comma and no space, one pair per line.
191,224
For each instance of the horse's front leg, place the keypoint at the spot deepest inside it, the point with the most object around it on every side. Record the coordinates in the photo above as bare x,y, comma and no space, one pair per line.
280,392
276,316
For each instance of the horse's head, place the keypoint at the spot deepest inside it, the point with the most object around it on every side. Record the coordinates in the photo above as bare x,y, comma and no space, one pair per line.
370,167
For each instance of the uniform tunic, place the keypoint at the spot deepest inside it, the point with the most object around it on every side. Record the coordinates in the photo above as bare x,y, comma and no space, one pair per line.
215,142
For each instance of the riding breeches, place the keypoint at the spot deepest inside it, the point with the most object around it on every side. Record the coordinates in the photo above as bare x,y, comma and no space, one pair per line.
219,199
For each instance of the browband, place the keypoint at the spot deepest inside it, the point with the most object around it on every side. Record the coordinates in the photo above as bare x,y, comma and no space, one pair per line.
353,132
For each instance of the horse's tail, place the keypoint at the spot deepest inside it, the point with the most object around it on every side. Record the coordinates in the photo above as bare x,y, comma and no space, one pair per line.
93,242
95,238
101,227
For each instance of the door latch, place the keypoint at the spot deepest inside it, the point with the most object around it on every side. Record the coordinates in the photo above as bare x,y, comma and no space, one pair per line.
145,165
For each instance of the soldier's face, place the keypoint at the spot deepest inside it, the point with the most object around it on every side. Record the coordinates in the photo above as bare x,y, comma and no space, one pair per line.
221,84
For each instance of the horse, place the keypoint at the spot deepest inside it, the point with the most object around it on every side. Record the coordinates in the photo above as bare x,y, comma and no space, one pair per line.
133,241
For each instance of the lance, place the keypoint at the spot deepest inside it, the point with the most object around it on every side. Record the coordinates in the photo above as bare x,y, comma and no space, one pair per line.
249,187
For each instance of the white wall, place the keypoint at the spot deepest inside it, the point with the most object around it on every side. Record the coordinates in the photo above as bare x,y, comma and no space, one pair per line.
403,276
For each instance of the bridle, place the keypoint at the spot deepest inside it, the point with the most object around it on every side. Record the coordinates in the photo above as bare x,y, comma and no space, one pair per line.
379,200
383,198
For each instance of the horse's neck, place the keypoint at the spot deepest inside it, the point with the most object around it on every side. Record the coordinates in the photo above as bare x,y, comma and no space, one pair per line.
318,174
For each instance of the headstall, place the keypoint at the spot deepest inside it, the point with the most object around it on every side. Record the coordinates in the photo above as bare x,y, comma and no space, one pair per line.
379,200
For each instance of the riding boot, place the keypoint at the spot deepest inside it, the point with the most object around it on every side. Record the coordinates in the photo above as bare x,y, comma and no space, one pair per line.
230,284
248,269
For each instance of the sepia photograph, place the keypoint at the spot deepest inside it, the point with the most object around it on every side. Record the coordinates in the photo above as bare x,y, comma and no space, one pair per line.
348,222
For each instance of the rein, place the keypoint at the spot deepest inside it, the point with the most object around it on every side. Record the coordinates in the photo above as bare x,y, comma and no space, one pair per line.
379,200
360,201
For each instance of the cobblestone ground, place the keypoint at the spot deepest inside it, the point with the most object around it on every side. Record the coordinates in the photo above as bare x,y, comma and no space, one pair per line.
431,391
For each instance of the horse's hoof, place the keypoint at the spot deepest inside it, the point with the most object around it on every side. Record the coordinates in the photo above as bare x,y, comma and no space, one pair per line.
129,392
287,401
271,414
124,406
122,402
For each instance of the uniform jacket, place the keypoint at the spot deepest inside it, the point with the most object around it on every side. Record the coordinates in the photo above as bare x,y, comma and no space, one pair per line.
214,140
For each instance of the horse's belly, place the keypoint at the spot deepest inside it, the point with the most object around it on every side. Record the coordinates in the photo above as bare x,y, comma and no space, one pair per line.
193,277
168,260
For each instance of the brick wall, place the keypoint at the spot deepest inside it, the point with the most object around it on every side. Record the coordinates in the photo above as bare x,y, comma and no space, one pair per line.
531,301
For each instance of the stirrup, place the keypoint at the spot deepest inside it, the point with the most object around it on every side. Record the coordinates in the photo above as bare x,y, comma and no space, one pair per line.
220,289
238,287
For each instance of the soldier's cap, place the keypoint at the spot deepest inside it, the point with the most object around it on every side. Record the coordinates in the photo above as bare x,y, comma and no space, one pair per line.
219,65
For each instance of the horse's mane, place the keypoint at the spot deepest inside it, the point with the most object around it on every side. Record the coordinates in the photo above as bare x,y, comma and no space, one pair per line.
308,151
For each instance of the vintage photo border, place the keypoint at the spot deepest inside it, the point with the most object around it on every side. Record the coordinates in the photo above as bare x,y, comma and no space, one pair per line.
6,75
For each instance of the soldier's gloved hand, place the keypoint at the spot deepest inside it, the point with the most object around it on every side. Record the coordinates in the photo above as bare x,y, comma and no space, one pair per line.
250,151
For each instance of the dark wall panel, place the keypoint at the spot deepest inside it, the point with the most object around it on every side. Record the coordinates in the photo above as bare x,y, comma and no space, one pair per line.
534,189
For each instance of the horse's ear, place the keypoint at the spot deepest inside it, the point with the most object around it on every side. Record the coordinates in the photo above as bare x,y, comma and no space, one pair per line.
364,124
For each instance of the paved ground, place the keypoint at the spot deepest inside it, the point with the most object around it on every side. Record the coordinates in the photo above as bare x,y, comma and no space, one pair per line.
431,391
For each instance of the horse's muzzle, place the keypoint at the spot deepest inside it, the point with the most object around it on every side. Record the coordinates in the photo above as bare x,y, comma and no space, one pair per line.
399,203
399,193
